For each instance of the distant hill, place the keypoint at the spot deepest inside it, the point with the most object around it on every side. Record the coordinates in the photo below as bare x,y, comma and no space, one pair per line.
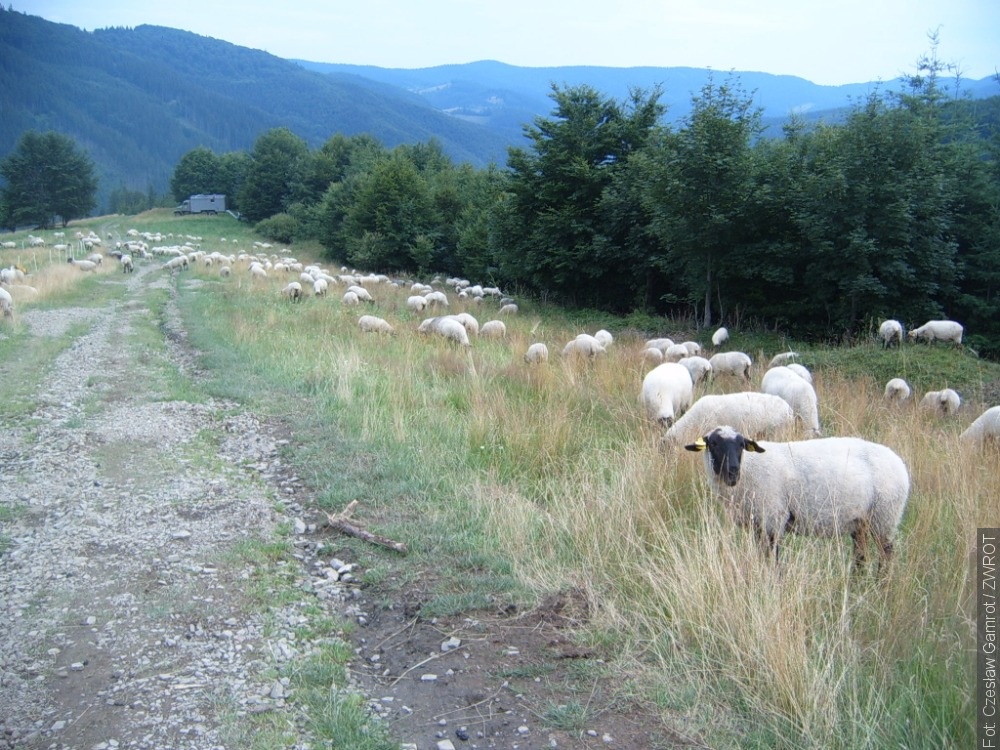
137,99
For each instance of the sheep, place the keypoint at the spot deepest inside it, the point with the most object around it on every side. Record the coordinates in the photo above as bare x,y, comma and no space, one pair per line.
731,363
350,298
801,371
6,303
652,354
469,321
293,290
897,391
95,258
938,330
320,287
826,487
799,393
436,299
693,348
782,358
660,343
583,345
493,329
257,272
986,428
945,403
127,265
509,309
536,353
890,332
83,265
177,263
605,338
373,324
675,353
699,367
720,337
759,414
361,293
225,272
667,391
447,327
416,303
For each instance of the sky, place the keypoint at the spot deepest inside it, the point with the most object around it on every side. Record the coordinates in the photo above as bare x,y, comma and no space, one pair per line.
827,42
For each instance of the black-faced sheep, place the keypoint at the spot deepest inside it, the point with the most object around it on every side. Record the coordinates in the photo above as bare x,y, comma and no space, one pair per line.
825,487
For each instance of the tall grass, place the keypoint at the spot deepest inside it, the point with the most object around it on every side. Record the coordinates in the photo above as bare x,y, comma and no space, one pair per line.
515,481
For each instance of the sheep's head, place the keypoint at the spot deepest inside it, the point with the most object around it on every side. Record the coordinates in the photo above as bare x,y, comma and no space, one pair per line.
725,448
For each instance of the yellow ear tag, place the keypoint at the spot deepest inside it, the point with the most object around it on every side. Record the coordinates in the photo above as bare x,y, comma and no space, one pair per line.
697,445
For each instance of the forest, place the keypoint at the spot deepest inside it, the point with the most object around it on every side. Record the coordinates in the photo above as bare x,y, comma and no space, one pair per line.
892,212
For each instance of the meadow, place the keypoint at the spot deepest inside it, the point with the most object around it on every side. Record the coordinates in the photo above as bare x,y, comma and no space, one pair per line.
511,482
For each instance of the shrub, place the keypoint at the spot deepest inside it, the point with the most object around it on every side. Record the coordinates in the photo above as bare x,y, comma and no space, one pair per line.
278,228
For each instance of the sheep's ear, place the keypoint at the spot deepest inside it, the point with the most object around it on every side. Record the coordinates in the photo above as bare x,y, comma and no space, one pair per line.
697,445
752,447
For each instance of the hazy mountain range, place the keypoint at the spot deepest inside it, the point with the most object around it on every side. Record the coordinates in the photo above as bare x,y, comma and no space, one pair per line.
137,99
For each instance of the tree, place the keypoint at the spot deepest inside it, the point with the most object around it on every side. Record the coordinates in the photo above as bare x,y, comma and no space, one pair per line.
198,171
276,173
48,178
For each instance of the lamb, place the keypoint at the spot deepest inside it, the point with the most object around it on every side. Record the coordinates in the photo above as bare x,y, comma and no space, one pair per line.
938,330
447,327
897,391
890,332
986,428
536,353
699,367
826,487
493,329
373,324
945,403
731,363
127,265
799,393
6,303
667,391
759,414
293,290
720,337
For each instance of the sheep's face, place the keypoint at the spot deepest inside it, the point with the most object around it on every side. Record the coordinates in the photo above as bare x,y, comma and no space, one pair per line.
725,448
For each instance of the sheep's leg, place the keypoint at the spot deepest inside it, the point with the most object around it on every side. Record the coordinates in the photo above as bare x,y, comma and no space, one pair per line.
860,537
886,549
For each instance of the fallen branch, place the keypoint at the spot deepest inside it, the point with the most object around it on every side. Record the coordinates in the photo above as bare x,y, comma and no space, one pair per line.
341,522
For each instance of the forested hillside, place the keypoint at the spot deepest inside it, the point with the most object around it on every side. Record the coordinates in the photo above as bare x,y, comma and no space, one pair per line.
138,99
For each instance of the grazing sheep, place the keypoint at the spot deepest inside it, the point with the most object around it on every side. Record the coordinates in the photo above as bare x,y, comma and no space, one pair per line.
890,333
536,354
509,309
83,265
693,348
652,354
720,337
257,272
127,265
675,353
447,327
986,428
667,391
699,367
583,345
826,487
801,371
373,324
225,272
782,358
177,263
361,293
750,413
797,391
731,363
945,403
416,303
661,343
96,258
436,299
493,329
897,391
320,287
938,330
6,303
469,321
350,298
605,338
293,290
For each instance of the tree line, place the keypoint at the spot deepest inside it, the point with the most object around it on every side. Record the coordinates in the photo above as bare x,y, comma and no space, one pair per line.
894,211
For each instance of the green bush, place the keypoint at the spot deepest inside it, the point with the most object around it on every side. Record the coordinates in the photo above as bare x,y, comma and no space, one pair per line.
278,228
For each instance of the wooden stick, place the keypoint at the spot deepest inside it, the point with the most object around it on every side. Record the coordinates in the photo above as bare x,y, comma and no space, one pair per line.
341,523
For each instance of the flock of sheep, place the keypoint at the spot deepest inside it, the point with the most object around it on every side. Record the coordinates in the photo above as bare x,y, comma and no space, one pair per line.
813,485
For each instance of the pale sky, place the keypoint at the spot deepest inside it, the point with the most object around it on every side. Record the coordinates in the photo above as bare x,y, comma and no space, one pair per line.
824,41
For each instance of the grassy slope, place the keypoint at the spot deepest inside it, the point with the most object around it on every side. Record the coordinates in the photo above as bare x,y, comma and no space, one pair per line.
508,482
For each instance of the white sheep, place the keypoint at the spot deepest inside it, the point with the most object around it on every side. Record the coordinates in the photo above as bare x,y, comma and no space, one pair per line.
373,324
350,298
938,330
720,337
667,391
128,266
447,327
83,265
945,403
537,353
361,293
693,348
660,343
699,367
675,353
759,414
652,354
436,299
826,487
798,392
416,303
731,363
605,338
801,371
509,309
6,303
320,287
493,329
293,290
225,272
890,332
897,391
986,428
469,321
583,345
782,358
